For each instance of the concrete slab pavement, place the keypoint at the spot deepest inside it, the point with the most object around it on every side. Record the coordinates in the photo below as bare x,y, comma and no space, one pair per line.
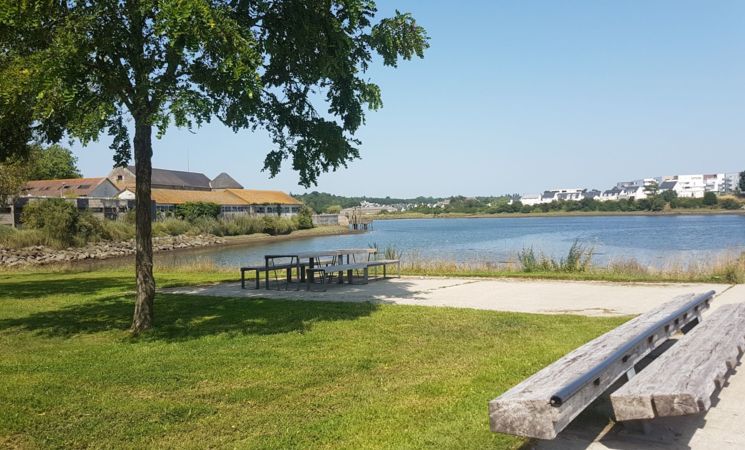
530,296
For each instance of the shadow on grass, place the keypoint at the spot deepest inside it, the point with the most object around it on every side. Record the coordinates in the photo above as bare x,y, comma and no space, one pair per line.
184,317
34,286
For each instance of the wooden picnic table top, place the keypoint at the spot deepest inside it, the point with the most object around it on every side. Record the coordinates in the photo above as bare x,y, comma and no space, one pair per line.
321,253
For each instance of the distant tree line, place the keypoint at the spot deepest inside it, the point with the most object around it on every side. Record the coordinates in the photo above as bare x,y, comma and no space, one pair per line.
40,163
322,202
667,200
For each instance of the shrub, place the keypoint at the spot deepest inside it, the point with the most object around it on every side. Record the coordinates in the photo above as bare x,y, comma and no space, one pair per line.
305,218
277,225
90,229
193,210
710,199
730,203
55,217
171,227
669,195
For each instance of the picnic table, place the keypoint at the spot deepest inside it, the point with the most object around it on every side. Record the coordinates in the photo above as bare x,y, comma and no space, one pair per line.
313,257
308,263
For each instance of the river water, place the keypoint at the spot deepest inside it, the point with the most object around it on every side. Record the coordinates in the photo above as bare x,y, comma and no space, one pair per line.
658,241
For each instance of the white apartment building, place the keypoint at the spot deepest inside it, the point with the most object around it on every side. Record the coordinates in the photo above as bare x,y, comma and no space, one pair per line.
690,186
530,199
642,182
687,186
632,192
731,181
714,183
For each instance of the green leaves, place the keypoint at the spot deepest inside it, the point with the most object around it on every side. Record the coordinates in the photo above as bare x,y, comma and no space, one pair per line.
77,68
399,36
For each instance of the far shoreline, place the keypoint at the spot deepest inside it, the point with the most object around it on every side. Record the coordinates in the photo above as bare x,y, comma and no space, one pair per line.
690,212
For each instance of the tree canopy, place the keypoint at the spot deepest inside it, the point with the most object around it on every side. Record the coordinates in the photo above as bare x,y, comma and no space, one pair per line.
78,68
52,163
12,178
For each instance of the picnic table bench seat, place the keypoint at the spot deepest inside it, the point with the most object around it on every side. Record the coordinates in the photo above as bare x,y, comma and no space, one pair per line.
340,269
682,380
265,269
544,404
384,263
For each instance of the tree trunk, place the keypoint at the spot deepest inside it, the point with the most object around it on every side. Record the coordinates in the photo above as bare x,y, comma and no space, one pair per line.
143,316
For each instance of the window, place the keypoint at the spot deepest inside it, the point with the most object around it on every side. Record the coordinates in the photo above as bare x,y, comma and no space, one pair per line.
84,186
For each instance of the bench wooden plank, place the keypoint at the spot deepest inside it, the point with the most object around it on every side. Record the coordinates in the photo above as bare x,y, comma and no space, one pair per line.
682,380
525,410
341,267
384,263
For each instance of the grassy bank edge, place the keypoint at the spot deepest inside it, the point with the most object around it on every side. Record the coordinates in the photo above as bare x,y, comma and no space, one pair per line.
218,274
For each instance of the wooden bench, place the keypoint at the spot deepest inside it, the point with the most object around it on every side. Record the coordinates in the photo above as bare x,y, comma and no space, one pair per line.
384,263
340,269
544,404
683,379
265,269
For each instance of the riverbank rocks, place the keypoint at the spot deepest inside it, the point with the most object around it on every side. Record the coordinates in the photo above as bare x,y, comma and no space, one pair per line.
40,255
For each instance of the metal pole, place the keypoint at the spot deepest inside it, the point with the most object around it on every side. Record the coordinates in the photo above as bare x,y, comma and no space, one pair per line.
568,390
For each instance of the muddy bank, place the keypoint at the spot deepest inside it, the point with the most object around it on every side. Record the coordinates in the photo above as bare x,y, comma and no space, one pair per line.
40,255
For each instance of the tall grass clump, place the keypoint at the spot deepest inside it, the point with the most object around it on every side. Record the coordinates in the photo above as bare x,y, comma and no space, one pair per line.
208,225
118,230
731,271
578,259
278,225
14,238
241,225
390,251
171,227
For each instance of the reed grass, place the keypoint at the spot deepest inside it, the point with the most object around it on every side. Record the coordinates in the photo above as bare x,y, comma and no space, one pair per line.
727,267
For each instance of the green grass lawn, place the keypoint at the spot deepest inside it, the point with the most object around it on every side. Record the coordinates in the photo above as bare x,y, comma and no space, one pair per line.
242,373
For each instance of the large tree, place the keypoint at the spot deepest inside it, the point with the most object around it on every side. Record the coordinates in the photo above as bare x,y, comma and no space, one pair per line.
52,163
12,178
78,68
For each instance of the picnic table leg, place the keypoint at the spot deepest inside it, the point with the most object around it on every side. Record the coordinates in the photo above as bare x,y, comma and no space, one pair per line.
243,279
258,279
311,263
266,273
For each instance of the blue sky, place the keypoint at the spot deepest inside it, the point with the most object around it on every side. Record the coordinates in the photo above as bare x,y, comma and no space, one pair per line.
521,96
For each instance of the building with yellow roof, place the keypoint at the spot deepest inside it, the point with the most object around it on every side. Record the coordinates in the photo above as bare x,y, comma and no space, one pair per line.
231,201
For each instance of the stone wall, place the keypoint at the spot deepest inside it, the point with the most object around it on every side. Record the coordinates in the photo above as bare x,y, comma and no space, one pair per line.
39,255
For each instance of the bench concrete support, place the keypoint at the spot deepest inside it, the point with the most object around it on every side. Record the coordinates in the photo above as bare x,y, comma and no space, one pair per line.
682,380
528,410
